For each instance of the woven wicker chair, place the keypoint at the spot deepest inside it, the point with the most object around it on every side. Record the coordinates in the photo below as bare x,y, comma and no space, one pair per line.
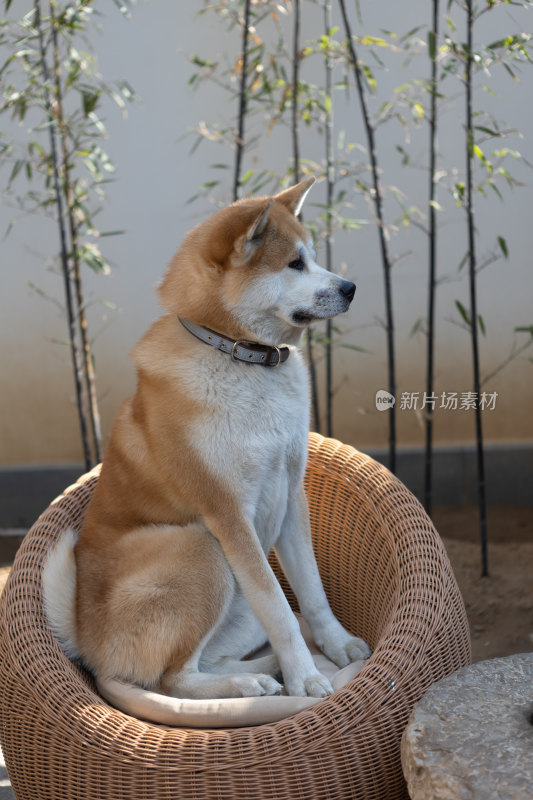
388,579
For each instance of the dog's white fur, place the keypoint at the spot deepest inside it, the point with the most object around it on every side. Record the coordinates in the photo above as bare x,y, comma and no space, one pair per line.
246,439
59,592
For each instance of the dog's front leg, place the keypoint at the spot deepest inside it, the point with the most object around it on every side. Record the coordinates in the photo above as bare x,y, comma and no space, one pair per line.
295,552
261,589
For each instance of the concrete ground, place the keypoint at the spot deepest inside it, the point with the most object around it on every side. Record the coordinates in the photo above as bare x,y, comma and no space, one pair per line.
6,792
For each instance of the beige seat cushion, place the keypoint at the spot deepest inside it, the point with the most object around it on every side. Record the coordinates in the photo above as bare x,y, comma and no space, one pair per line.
226,713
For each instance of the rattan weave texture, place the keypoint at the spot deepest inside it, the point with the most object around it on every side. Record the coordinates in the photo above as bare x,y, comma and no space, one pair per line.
388,579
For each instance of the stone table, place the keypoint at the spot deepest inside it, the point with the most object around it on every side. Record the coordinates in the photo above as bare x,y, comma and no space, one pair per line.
471,735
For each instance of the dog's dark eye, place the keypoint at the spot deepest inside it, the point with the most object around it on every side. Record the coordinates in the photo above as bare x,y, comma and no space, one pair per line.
296,264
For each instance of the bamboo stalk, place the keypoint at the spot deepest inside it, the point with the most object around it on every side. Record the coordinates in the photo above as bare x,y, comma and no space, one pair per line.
377,197
330,182
432,258
65,268
88,369
239,145
295,131
295,91
473,289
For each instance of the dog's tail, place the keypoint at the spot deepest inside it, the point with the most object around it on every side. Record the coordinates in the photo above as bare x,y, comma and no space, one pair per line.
59,592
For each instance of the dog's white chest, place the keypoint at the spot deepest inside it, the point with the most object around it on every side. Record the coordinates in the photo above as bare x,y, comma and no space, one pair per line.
252,432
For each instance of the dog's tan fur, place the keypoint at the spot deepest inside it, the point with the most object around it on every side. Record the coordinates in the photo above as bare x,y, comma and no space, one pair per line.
171,554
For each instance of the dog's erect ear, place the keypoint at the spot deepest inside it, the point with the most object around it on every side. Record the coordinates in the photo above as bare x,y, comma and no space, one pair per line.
253,236
293,198
257,228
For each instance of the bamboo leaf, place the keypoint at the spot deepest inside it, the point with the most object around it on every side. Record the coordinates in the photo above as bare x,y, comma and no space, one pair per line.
90,255
432,45
122,7
459,192
494,188
111,233
481,325
506,151
463,312
404,154
8,229
16,169
411,33
36,147
369,77
525,329
463,261
89,101
109,304
503,246
416,327
353,347
374,40
31,285
488,131
510,71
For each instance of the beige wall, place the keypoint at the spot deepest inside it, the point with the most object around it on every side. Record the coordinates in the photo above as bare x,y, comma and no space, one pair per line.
155,177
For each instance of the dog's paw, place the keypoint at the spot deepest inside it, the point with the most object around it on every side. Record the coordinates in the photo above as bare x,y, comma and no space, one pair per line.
318,686
342,650
251,685
315,685
357,649
354,649
268,665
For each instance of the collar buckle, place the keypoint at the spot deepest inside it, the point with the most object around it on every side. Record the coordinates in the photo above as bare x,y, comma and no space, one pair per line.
243,343
278,362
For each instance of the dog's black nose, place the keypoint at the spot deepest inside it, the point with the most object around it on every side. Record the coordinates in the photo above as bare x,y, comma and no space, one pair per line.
347,288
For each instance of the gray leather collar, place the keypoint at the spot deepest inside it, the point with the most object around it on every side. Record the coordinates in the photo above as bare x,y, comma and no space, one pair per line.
240,349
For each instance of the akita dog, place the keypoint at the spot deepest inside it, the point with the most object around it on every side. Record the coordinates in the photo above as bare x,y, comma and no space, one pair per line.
168,586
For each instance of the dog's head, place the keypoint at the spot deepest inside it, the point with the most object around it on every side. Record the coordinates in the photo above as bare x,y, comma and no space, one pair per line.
249,271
